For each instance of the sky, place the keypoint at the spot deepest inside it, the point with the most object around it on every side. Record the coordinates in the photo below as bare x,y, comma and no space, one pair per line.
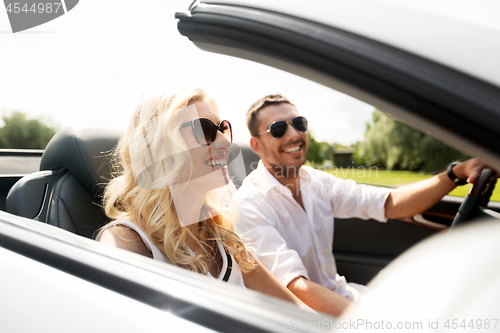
92,66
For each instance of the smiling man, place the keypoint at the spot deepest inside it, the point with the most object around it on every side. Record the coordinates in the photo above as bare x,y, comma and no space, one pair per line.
287,209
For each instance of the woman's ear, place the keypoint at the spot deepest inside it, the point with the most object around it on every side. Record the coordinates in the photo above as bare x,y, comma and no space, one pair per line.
256,145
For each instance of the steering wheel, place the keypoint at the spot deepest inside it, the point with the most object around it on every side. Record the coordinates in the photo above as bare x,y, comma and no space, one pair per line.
477,199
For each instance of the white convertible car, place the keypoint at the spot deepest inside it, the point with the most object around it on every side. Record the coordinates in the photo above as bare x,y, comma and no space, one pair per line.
432,64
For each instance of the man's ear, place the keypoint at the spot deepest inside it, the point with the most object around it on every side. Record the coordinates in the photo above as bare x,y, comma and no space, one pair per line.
256,145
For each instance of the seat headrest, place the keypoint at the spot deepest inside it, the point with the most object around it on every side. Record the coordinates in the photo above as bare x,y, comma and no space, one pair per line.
85,152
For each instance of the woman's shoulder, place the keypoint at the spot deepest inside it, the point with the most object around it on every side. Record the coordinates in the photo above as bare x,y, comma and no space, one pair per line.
124,236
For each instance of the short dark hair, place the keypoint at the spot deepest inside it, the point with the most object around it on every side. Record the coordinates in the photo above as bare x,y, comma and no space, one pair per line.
252,113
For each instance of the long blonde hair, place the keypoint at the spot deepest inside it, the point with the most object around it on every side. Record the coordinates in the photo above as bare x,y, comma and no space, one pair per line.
139,191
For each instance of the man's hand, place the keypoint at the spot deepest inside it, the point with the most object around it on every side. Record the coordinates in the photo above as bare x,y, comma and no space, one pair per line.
471,170
406,201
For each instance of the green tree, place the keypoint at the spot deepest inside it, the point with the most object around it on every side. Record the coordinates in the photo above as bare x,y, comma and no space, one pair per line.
357,158
20,132
314,150
395,145
325,150
318,152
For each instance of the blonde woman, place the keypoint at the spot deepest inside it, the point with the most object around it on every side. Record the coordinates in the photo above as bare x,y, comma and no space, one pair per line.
168,199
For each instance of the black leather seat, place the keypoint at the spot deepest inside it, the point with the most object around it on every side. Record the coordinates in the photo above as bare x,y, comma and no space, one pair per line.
67,190
242,161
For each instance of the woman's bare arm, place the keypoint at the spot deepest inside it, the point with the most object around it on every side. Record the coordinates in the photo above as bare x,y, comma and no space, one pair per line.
125,238
260,279
318,297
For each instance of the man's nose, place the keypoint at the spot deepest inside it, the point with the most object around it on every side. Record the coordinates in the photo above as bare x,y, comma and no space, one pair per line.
291,130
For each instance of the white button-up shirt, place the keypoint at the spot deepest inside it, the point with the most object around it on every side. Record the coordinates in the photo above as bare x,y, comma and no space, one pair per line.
291,241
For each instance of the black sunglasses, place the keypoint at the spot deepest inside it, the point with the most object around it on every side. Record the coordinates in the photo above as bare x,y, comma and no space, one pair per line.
278,128
205,131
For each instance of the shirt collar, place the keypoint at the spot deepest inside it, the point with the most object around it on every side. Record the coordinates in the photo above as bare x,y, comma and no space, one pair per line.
267,181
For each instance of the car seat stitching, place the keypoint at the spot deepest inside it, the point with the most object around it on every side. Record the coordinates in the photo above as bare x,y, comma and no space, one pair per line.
59,206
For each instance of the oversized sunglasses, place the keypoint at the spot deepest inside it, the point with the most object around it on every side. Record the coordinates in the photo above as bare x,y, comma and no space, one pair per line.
205,131
278,128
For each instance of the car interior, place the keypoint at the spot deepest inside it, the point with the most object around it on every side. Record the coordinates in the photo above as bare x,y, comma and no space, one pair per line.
75,168
65,192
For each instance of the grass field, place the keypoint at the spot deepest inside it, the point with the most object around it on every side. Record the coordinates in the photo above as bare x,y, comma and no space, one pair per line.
389,178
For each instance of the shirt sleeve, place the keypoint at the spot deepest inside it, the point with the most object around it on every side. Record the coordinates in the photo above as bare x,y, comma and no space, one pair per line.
357,200
256,226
